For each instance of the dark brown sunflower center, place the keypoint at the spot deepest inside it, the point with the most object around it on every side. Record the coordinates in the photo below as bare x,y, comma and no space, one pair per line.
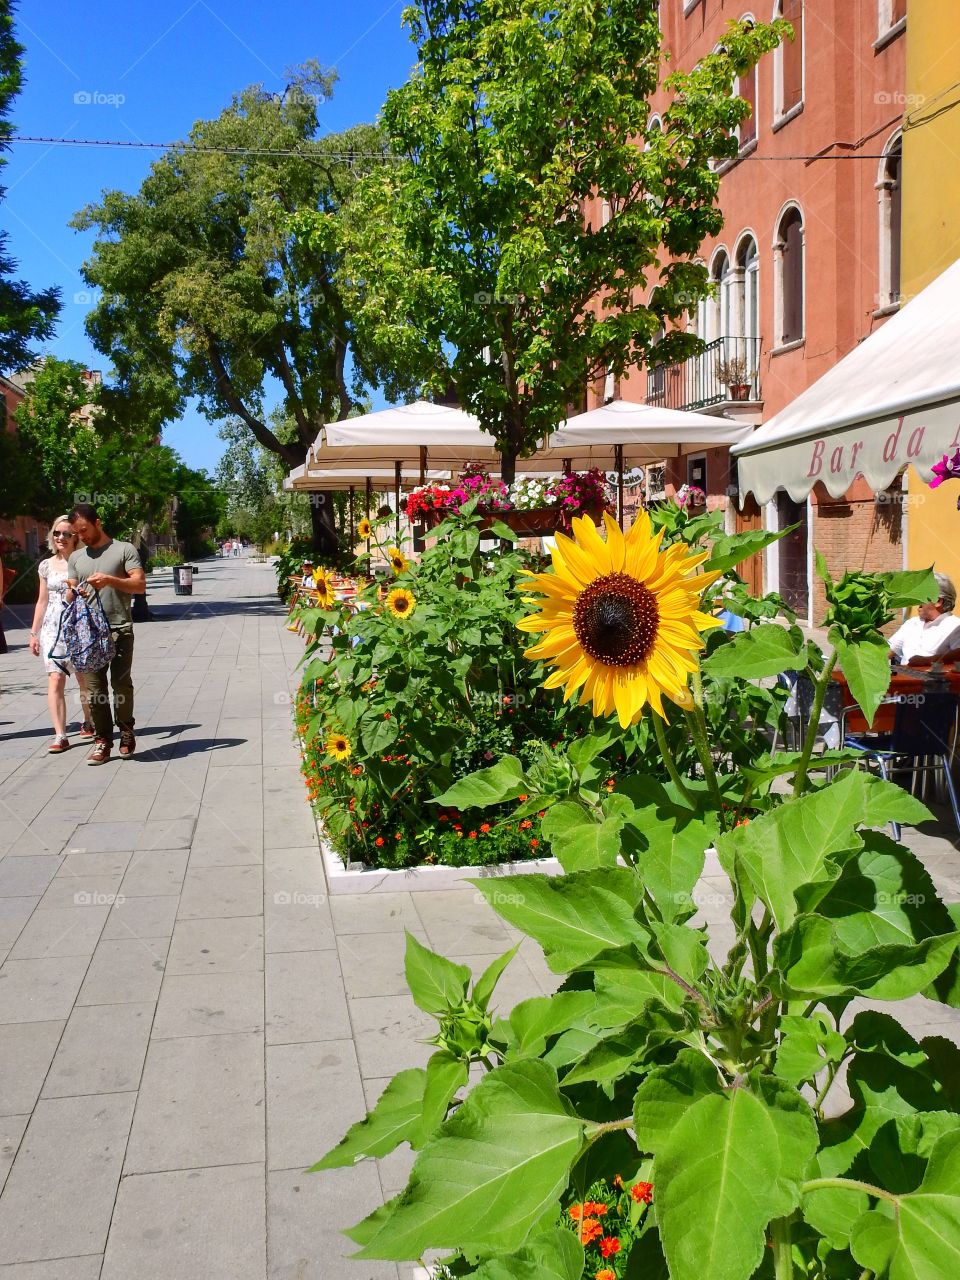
401,605
616,619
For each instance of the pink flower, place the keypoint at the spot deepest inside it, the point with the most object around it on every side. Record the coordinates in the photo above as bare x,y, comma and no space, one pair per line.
946,469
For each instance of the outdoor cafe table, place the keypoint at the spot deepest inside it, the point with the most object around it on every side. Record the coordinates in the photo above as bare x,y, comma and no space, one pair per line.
905,683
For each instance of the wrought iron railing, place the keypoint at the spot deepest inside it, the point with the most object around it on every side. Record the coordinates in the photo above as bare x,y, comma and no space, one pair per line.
699,382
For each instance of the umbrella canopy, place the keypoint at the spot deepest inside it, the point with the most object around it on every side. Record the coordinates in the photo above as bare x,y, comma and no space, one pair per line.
306,480
645,431
411,434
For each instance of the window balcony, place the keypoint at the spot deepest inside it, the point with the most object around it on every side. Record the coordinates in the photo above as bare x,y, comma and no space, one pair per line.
697,383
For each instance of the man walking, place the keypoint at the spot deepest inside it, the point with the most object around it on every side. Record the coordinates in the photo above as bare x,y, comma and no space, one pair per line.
114,569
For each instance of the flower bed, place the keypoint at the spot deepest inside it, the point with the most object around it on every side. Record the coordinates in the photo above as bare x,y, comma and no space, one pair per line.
528,505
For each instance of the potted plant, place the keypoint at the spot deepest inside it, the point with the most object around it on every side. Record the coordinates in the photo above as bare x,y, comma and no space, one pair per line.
734,376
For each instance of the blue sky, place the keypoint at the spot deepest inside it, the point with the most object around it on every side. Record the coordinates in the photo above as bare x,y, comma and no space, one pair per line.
112,70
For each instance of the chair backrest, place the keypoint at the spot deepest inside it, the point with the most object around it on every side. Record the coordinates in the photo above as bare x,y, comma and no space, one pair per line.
924,722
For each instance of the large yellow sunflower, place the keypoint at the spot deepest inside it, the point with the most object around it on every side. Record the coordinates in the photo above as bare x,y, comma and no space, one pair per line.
398,561
364,529
621,617
338,746
401,602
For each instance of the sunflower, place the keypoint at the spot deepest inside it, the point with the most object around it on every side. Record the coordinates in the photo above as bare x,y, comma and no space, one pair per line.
364,529
401,602
398,561
324,589
621,617
338,746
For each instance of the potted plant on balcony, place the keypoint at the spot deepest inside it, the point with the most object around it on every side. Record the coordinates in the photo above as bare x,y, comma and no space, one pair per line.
733,374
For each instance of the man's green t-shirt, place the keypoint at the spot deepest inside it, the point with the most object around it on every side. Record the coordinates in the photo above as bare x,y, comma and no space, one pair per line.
118,559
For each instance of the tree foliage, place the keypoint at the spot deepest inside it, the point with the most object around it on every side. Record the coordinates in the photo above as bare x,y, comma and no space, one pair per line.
26,317
472,258
205,292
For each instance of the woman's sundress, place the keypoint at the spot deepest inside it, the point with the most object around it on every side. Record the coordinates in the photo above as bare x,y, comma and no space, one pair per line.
56,580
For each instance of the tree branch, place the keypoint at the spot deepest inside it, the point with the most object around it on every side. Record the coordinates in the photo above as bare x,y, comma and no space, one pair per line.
260,431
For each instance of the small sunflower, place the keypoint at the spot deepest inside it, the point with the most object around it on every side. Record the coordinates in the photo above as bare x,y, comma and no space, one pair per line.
621,617
364,529
401,602
324,589
338,746
398,561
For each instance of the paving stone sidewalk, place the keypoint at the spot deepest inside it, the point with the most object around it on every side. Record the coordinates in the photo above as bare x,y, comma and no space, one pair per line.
186,1020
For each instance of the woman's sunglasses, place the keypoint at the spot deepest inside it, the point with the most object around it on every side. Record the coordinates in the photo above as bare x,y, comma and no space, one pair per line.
57,534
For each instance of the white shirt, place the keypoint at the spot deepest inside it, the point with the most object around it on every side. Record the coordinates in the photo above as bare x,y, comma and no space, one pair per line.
919,639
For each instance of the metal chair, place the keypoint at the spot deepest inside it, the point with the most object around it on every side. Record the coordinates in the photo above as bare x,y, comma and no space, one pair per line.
919,742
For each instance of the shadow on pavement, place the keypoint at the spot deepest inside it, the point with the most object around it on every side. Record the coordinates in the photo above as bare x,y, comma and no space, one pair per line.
179,750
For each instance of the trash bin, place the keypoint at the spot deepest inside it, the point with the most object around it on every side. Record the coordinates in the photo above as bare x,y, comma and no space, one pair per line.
183,580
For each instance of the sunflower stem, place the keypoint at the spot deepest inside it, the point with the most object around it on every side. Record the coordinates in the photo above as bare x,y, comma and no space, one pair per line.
820,693
669,761
698,733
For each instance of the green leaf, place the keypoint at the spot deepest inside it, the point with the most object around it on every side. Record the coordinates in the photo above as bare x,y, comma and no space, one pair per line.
556,1255
804,840
585,750
758,653
573,917
622,993
730,549
921,1240
445,1075
485,984
907,587
739,1158
540,1018
666,1095
668,845
496,1167
823,571
394,1119
814,962
833,1212
806,1046
578,841
435,982
378,734
866,666
624,1050
502,781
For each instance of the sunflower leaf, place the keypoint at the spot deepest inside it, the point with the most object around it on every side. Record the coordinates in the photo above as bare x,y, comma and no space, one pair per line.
496,1167
435,982
502,781
556,1255
758,653
394,1119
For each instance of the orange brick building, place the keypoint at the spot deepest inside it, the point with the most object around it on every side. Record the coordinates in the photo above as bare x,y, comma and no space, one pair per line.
808,263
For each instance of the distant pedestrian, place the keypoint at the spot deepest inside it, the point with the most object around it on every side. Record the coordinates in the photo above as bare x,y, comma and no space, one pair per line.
113,568
62,541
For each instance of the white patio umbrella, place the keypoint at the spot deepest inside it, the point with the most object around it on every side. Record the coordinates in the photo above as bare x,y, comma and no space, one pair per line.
412,435
622,432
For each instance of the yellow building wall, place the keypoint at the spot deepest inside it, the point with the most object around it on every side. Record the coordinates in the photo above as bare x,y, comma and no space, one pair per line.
931,234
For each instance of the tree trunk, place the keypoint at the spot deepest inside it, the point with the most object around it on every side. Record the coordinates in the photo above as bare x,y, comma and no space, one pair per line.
323,529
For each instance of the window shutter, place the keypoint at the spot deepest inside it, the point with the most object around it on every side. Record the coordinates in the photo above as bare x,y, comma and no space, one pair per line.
792,278
747,89
792,56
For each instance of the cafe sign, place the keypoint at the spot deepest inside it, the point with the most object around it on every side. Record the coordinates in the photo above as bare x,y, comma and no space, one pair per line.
876,451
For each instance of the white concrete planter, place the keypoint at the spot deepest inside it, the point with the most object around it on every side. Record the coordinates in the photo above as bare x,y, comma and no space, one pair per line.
358,878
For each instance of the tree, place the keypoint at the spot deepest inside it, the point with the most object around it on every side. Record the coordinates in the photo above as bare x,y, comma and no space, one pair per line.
26,317
205,291
76,443
471,257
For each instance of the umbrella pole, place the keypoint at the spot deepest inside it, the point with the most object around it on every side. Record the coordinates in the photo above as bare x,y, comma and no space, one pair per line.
618,463
396,486
368,485
350,501
423,464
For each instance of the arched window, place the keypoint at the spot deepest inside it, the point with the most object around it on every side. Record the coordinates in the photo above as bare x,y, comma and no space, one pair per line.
746,304
720,307
889,191
788,62
788,251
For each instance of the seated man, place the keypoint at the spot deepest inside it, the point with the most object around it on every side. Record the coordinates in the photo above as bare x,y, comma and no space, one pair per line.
933,635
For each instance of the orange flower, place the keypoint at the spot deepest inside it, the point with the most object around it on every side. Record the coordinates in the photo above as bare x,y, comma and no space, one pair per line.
534,844
522,797
642,1192
576,1212
590,1228
606,1274
594,1208
484,827
609,1245
525,824
379,842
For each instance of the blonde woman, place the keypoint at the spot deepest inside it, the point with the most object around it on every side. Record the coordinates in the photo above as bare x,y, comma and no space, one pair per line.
62,542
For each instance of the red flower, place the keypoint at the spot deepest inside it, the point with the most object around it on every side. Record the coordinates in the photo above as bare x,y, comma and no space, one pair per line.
525,824
605,1274
534,844
522,797
594,1208
576,1212
379,842
609,1245
642,1192
473,835
484,827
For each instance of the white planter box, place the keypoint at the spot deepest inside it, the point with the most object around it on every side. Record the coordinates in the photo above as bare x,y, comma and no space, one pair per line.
359,879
